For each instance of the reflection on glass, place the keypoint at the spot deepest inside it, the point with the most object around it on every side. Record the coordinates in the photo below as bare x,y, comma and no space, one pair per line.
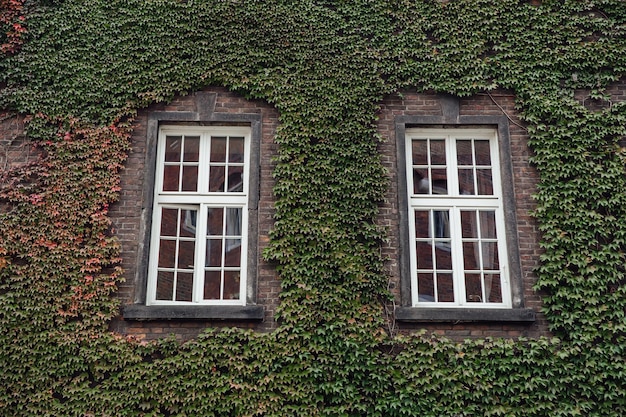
493,288
167,253
165,285
172,148
469,226
466,181
212,281
235,179
437,152
445,288
170,177
488,224
483,153
464,152
190,178
235,149
214,223
426,287
231,285
471,257
186,252
184,286
485,184
216,179
421,224
232,257
424,255
443,256
490,255
213,252
218,149
169,219
192,149
421,182
188,223
420,152
233,221
473,288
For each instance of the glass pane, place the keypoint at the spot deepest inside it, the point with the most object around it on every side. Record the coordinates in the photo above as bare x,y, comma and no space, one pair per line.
425,287
441,224
493,288
471,260
439,181
167,253
172,148
437,152
231,285
165,285
490,255
213,252
445,288
232,257
214,223
233,221
469,228
216,179
466,181
186,252
488,224
235,179
421,224
184,286
212,281
169,219
190,178
424,255
235,149
473,290
485,185
218,149
483,154
420,181
443,256
420,152
192,149
188,220
464,152
170,177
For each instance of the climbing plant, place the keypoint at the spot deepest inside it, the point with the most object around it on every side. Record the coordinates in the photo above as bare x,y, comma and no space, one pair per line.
81,69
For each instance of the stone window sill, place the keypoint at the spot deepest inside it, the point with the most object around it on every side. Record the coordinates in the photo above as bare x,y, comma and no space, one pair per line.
459,315
160,312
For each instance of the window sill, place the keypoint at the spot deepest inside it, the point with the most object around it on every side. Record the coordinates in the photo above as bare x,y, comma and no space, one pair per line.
161,312
415,314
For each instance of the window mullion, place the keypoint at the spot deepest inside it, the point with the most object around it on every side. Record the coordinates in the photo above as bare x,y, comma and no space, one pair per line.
456,244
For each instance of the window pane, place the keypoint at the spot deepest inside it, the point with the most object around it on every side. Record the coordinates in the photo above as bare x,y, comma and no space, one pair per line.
231,285
437,152
420,181
466,181
235,149
218,149
169,218
188,223
170,177
485,184
214,223
483,153
490,255
424,255
216,179
233,221
425,287
469,228
184,286
420,152
213,252
167,253
232,257
473,288
493,288
464,152
471,259
172,148
212,281
443,256
445,288
488,224
235,179
441,225
165,285
421,224
439,181
186,252
192,149
190,178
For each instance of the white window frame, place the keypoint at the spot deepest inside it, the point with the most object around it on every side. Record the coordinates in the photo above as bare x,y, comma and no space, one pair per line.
201,201
454,202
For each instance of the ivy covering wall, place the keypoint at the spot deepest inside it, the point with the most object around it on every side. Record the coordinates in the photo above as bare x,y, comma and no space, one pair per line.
80,69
